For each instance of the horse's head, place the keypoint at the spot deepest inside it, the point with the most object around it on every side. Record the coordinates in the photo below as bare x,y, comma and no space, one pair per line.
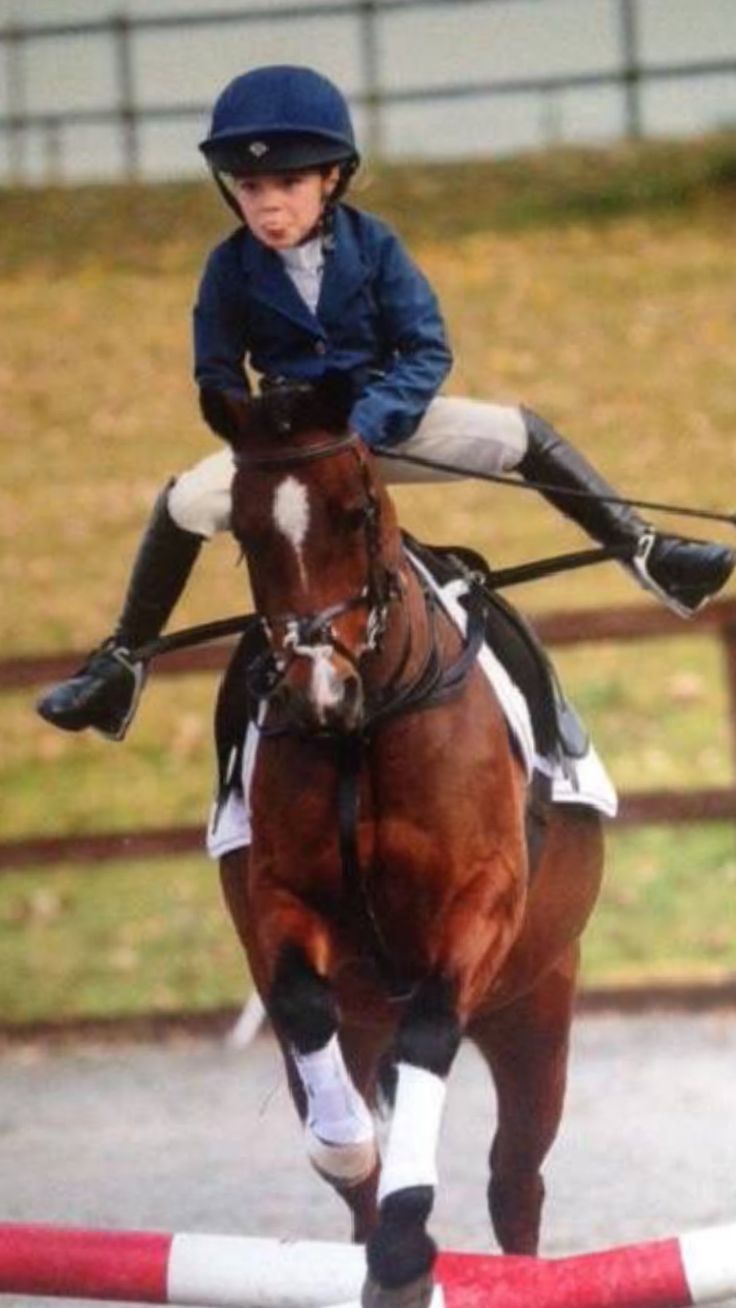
321,542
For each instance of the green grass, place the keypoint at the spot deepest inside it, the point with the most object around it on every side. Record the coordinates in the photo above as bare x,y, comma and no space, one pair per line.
153,936
116,939
597,287
666,909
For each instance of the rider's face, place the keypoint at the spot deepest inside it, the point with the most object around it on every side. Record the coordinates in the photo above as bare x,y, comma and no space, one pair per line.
281,209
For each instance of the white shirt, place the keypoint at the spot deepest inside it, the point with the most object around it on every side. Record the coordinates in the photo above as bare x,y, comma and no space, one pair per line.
305,265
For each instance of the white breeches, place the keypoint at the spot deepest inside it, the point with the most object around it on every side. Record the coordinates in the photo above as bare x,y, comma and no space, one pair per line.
470,433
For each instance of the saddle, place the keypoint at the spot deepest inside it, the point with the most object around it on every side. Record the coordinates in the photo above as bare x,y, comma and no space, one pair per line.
557,728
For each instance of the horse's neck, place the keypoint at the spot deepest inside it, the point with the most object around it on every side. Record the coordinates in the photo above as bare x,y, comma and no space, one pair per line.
414,628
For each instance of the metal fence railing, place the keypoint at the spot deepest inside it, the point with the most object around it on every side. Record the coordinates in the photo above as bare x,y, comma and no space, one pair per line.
29,132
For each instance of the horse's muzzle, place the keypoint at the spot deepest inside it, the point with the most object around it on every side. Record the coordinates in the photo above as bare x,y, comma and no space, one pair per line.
324,693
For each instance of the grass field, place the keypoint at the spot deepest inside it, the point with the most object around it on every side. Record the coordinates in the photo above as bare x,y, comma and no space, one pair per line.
599,289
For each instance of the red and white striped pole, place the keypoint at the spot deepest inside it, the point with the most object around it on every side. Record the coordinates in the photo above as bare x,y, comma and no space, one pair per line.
241,1272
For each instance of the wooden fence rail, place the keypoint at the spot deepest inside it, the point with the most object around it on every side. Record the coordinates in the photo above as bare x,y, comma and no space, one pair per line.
561,629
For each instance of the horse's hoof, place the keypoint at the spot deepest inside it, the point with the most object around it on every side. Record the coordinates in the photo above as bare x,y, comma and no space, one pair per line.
415,1294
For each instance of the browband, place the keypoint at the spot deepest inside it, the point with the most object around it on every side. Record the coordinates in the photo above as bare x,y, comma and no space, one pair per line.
296,454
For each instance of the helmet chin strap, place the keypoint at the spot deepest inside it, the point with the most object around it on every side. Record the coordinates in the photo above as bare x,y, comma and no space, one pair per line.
326,221
227,196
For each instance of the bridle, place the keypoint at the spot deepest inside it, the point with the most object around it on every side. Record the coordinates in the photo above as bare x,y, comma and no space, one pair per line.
311,635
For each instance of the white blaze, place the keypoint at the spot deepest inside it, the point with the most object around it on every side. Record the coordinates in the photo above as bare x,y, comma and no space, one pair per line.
291,515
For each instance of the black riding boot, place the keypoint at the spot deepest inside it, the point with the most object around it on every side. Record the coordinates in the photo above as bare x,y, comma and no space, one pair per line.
104,693
683,573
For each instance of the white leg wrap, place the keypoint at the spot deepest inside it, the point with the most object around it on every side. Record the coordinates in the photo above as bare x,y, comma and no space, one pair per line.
411,1157
471,434
347,1163
340,1135
200,500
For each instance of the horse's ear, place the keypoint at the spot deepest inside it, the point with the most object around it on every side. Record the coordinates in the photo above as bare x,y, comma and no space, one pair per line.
226,412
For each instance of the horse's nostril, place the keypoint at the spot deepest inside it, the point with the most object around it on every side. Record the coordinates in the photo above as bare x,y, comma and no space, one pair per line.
353,697
352,689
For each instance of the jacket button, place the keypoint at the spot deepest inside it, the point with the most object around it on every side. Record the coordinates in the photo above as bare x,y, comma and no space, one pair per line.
320,347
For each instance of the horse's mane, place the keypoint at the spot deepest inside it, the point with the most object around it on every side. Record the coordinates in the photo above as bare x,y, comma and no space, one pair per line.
284,408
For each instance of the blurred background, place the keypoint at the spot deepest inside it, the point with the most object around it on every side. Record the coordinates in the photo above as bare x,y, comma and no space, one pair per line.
98,90
565,172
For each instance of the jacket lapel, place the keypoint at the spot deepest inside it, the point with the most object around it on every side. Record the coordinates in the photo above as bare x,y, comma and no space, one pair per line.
345,270
269,282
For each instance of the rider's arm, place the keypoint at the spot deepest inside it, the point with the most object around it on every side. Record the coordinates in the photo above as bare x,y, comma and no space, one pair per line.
414,345
220,326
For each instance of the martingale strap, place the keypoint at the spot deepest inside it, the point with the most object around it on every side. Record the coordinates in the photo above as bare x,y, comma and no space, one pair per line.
350,754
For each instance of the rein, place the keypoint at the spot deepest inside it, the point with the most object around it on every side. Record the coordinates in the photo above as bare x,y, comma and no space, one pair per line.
207,633
685,511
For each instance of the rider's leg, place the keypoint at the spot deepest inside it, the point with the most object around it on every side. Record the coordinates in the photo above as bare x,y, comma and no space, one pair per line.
683,573
503,438
104,692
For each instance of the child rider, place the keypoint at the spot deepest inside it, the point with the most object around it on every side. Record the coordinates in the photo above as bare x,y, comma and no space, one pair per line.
307,284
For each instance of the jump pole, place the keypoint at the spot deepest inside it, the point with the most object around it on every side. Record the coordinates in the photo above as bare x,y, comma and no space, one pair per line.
222,1271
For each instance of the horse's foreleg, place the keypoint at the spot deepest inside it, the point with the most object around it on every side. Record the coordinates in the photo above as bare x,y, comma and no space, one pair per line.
526,1045
339,1130
361,1048
400,1251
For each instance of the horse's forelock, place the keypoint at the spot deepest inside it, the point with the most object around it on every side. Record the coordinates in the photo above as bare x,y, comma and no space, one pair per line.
283,410
290,408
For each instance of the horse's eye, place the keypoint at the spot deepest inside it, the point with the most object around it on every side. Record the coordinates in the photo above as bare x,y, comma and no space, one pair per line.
354,518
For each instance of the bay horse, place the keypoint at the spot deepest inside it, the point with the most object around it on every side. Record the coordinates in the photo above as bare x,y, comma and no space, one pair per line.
386,905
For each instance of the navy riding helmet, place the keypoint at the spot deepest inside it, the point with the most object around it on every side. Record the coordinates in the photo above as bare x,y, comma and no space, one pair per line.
280,118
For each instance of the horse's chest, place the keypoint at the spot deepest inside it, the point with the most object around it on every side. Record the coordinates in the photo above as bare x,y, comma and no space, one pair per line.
424,799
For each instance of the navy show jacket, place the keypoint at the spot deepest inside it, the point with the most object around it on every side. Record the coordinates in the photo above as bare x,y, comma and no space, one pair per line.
377,318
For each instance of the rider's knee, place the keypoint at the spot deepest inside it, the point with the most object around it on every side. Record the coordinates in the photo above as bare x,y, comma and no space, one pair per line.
200,499
479,436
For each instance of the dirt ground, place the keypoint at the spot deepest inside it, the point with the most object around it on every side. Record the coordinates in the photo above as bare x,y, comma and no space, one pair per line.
195,1136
